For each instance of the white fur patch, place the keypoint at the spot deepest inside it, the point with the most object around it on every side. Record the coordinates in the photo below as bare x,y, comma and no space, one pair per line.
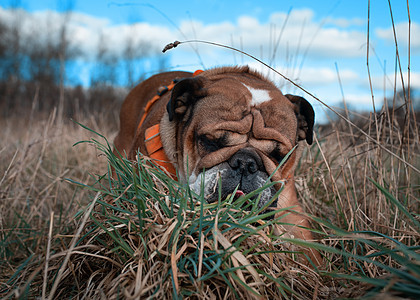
258,96
211,178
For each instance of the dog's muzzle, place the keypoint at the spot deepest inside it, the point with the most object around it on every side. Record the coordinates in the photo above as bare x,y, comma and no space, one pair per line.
244,170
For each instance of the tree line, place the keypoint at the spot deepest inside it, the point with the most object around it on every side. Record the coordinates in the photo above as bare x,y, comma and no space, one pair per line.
38,71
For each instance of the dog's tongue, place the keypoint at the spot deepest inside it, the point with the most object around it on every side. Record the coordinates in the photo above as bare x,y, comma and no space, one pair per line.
239,193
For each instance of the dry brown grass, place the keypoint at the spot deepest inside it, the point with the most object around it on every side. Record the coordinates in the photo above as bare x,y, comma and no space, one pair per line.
36,155
39,231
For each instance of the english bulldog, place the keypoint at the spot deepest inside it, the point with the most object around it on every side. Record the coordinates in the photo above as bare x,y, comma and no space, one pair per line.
228,123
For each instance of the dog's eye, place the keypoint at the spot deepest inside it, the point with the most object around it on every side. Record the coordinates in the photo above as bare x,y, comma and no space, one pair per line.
276,155
210,144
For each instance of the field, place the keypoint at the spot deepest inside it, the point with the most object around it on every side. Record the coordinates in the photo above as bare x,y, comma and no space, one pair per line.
69,230
147,236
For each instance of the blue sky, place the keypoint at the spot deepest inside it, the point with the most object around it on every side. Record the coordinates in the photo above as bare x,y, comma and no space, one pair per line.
322,41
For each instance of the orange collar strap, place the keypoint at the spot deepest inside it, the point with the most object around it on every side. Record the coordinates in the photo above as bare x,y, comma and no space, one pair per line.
153,101
152,138
155,150
197,72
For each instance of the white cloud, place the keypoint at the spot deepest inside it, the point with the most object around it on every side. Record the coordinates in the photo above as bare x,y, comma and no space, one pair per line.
310,77
378,81
356,101
415,80
86,21
301,33
295,18
345,23
84,31
314,76
402,30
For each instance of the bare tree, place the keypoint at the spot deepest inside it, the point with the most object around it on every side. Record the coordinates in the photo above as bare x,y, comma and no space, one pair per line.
41,61
133,52
11,61
105,72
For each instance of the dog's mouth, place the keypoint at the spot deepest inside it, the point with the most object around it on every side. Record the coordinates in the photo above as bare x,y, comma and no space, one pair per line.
230,185
211,198
239,193
249,204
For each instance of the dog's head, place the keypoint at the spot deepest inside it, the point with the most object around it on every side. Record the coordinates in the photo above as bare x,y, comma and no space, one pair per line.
233,125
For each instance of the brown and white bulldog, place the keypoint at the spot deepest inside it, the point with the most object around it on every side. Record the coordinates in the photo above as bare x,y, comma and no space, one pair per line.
231,122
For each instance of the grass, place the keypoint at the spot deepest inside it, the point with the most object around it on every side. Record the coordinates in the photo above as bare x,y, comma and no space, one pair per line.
68,234
36,157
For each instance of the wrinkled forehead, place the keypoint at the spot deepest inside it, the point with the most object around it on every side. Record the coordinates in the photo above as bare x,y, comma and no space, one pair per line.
243,89
234,97
240,99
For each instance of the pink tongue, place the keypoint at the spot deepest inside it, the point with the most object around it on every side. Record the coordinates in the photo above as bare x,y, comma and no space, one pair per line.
239,193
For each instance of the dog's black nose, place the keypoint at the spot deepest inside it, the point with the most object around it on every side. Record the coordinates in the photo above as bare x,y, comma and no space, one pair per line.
246,162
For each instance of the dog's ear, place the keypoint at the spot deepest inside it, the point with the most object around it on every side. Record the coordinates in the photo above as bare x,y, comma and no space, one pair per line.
184,94
305,118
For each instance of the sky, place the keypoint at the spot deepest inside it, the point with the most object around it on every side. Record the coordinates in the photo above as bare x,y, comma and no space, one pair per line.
319,45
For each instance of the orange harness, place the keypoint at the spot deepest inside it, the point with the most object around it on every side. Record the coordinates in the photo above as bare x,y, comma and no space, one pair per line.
152,138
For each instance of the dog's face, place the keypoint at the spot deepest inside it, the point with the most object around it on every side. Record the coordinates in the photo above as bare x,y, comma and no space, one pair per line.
236,128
